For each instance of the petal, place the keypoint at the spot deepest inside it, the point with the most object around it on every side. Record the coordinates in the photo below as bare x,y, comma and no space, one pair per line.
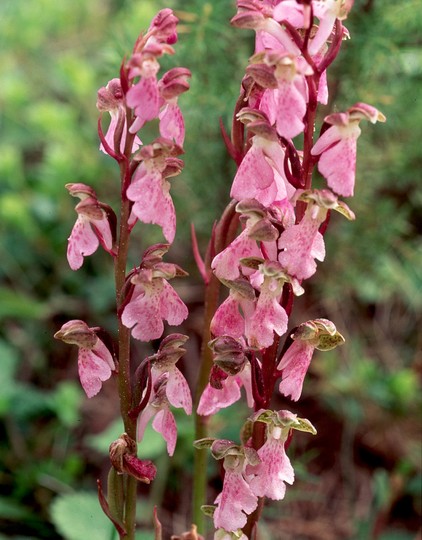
234,502
274,470
82,241
178,392
165,424
253,177
227,319
153,203
291,108
172,125
226,263
93,370
172,309
212,399
295,364
142,314
338,166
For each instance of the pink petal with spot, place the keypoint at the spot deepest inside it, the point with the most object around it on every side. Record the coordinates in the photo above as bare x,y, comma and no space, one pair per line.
93,370
172,125
295,364
234,502
172,309
254,178
226,263
274,470
213,399
165,424
142,314
227,319
144,98
269,317
153,203
82,242
338,166
178,392
290,109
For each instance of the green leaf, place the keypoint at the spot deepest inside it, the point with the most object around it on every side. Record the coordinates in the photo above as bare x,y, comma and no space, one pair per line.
79,515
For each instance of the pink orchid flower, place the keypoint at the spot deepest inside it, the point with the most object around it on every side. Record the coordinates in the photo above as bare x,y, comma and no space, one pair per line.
301,244
171,85
316,334
236,500
274,469
337,146
95,362
261,175
163,419
92,226
111,99
153,300
286,105
150,190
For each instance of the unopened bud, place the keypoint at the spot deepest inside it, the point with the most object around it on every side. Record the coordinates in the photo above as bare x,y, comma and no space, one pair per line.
229,354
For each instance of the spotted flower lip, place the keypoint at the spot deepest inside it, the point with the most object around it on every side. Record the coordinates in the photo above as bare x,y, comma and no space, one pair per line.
91,229
95,362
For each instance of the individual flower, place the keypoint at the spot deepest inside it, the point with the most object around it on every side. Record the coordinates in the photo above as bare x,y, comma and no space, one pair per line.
302,243
143,97
111,99
318,334
286,105
337,146
269,316
150,188
158,409
164,361
268,475
214,399
261,174
236,500
152,299
275,469
258,226
95,362
92,226
171,85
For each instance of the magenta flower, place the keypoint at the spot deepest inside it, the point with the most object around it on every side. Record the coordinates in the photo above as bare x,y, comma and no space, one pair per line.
269,316
275,468
143,97
214,399
177,388
172,84
150,191
295,364
111,99
316,334
163,420
92,226
337,146
286,105
301,244
236,500
261,175
152,301
95,362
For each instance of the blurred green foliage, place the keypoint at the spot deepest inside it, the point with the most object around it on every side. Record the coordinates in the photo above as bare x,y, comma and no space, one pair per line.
54,56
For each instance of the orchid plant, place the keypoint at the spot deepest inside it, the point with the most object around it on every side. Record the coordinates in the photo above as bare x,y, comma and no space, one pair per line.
262,250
